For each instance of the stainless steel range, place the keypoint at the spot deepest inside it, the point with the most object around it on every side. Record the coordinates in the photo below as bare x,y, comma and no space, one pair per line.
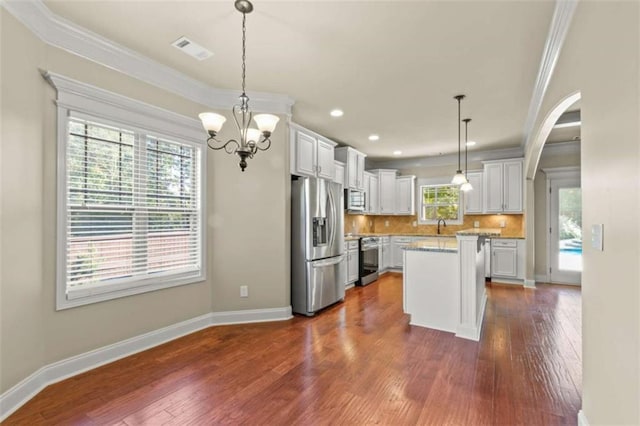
369,247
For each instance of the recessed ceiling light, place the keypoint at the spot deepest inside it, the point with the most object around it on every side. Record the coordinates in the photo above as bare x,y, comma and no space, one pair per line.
337,113
397,152
471,143
374,138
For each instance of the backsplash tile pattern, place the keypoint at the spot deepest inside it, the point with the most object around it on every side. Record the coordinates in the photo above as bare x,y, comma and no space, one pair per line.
362,224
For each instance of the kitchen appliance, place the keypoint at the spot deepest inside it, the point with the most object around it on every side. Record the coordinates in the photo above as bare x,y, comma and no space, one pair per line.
318,267
355,200
369,256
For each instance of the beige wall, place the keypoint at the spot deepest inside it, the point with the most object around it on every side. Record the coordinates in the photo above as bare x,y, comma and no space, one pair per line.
242,249
548,160
600,58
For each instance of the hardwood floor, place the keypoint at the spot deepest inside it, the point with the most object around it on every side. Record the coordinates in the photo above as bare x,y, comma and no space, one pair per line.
358,362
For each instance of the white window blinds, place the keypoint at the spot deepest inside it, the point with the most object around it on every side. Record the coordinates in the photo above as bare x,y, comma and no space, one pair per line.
133,214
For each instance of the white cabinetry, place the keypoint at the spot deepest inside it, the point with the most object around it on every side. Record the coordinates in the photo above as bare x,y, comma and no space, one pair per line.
405,191
507,259
354,172
386,253
311,154
371,193
386,190
473,198
339,173
503,186
353,263
397,245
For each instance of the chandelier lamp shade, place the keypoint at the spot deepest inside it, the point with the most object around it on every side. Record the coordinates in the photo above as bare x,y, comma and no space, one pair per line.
250,140
459,178
466,186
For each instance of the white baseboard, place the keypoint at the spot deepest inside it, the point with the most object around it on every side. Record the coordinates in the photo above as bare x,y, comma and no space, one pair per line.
498,280
582,419
22,392
530,283
543,278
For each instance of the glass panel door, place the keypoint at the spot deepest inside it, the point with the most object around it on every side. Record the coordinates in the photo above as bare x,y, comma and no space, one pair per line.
565,257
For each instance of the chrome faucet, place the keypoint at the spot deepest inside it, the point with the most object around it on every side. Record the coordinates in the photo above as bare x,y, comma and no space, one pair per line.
443,222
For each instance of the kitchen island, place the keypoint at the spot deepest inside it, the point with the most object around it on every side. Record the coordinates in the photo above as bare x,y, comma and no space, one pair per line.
444,282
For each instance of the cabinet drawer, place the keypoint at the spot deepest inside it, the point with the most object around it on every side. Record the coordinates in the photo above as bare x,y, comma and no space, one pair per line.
401,239
353,245
504,243
384,240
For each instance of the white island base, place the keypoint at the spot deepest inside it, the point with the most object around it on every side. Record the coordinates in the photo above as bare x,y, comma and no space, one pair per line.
444,284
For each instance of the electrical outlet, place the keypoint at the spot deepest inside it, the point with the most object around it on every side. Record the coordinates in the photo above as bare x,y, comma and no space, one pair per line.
503,223
476,224
415,223
386,223
353,223
370,224
244,291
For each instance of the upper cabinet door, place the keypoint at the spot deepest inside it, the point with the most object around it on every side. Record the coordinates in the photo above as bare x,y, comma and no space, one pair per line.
404,195
493,188
387,191
473,198
512,192
352,167
339,173
374,205
305,154
325,161
360,171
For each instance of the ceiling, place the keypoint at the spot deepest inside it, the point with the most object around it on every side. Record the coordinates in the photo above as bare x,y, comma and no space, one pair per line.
392,66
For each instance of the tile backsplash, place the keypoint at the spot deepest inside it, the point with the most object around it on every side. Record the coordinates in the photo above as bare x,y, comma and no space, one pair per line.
363,224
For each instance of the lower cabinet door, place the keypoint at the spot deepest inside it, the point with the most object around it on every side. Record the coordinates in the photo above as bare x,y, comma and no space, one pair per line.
504,262
353,266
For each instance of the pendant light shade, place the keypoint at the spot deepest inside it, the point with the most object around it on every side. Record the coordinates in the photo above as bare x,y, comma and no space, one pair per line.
459,178
466,186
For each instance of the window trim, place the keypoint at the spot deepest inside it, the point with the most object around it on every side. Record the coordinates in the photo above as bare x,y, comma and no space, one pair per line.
441,181
99,105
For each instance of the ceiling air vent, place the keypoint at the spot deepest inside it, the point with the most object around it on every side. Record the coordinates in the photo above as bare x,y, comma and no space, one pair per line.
192,49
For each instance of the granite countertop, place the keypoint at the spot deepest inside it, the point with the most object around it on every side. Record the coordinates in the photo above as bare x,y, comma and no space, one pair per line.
447,245
485,232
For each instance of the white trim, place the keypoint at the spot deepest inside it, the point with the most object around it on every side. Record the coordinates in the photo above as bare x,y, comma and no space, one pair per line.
529,283
66,35
440,181
500,280
582,418
22,392
560,23
560,148
542,278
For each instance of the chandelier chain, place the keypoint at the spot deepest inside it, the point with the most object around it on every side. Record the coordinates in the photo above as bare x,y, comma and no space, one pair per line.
244,55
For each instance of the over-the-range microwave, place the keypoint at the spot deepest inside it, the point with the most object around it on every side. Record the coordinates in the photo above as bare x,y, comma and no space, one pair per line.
354,200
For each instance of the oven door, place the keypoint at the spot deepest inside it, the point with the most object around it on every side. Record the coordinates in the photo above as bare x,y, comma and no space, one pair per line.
368,263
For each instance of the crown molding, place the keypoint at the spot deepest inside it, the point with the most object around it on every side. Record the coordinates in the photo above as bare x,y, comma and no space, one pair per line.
64,34
446,160
560,23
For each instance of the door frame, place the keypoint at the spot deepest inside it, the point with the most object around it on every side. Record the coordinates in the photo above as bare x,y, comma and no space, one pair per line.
555,174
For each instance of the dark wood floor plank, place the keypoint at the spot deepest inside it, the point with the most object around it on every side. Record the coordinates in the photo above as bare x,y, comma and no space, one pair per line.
357,362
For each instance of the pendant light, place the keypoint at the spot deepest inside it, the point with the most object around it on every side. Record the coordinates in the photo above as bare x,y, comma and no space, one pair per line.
250,140
459,178
466,187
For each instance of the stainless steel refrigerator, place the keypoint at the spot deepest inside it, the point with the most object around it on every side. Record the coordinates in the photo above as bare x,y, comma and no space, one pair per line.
318,265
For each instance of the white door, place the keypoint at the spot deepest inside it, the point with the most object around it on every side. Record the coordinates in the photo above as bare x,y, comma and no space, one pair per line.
373,195
504,262
353,266
473,198
512,186
403,196
387,191
565,222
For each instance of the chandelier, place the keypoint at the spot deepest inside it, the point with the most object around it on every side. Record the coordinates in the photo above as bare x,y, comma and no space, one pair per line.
459,178
250,140
466,186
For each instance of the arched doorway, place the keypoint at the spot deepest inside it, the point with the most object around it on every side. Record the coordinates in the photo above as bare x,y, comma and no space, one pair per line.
533,153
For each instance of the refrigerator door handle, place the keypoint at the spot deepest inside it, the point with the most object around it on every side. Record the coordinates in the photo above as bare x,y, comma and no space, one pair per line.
333,218
327,262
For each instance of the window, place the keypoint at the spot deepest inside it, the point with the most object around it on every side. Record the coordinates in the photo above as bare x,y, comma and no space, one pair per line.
440,202
130,205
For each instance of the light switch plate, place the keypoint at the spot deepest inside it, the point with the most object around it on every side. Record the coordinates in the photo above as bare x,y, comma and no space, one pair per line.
415,223
476,224
386,223
503,223
597,232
